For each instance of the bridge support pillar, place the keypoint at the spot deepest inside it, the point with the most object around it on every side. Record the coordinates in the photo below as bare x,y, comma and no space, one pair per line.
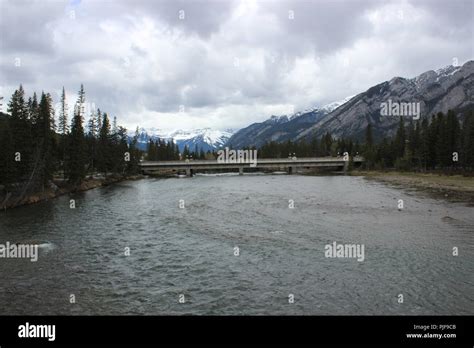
346,166
189,172
291,170
241,170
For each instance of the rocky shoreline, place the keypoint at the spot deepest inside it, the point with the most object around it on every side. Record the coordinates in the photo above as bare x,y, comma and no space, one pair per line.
452,188
58,188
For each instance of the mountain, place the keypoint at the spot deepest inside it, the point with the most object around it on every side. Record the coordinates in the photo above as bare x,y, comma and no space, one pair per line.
437,91
451,87
205,138
281,128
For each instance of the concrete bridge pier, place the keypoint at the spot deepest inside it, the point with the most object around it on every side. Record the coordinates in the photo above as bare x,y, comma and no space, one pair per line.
241,170
291,170
189,172
346,166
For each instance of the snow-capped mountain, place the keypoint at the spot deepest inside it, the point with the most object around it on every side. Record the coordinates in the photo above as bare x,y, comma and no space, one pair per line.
204,138
282,128
326,108
448,88
334,105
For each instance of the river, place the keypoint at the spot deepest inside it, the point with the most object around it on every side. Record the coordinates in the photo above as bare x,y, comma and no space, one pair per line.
240,245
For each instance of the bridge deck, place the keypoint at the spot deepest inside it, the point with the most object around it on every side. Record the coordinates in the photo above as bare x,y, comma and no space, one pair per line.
260,163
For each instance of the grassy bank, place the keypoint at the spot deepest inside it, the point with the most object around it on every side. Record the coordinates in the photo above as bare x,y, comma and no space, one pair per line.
454,188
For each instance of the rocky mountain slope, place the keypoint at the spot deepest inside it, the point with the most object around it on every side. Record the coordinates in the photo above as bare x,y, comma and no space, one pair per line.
281,128
437,91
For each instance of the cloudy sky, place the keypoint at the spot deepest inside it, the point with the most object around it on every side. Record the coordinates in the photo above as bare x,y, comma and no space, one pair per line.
223,64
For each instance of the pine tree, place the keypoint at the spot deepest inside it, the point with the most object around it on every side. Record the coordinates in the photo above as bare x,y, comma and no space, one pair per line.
132,166
76,158
186,152
121,149
424,143
314,146
467,138
63,127
369,151
104,149
453,131
45,139
432,139
441,145
400,139
114,130
33,109
7,164
91,141
98,122
21,134
369,140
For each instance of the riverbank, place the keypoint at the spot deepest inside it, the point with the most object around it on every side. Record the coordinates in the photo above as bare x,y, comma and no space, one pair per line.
453,188
58,188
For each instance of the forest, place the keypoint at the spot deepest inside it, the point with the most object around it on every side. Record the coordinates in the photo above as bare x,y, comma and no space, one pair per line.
439,143
34,150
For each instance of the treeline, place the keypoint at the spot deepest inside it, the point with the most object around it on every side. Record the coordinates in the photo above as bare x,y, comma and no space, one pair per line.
437,143
161,150
33,149
325,146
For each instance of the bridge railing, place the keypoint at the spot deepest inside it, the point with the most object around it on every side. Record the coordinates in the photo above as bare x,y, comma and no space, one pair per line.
258,160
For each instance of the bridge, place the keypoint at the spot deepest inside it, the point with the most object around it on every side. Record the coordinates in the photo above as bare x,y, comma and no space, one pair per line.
291,165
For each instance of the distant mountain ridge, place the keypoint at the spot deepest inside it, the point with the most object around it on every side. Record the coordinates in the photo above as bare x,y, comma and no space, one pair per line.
204,138
451,87
281,128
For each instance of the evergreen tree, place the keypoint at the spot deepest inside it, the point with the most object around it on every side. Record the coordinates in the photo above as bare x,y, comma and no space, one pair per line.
132,166
33,109
21,132
45,139
63,126
104,162
467,138
63,129
424,144
400,139
76,150
453,131
91,141
443,159
432,139
369,151
7,163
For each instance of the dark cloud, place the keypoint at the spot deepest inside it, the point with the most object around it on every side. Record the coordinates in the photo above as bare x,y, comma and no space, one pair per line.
25,26
227,63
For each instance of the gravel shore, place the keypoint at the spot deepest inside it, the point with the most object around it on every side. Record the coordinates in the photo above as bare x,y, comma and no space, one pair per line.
454,188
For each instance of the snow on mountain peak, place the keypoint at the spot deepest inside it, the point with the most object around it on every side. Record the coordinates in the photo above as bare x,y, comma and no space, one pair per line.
206,138
325,108
208,135
334,105
431,76
447,70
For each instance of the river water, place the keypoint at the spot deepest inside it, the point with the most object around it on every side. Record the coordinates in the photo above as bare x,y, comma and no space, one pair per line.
191,251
